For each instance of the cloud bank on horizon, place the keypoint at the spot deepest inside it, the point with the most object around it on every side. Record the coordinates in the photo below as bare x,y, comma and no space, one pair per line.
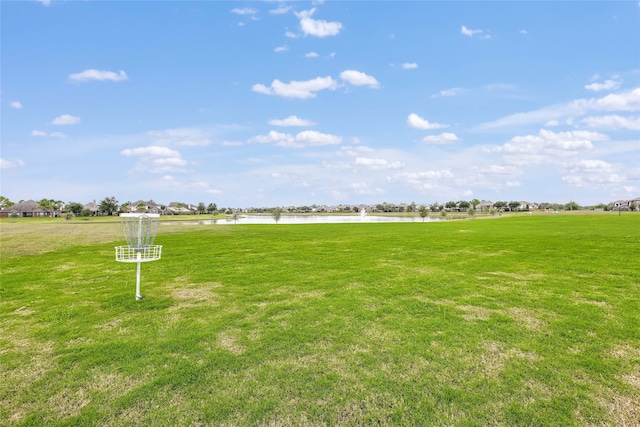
295,103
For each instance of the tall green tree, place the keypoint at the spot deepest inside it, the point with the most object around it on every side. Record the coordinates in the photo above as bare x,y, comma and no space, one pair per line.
125,207
572,206
45,204
500,205
201,209
74,207
109,206
5,202
423,211
277,213
212,208
513,205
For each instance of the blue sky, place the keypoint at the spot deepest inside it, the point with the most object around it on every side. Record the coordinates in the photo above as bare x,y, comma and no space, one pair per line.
298,103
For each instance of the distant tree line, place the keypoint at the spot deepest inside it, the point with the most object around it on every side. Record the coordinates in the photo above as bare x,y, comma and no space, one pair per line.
111,206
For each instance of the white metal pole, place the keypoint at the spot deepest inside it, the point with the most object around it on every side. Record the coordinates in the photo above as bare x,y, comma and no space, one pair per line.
138,296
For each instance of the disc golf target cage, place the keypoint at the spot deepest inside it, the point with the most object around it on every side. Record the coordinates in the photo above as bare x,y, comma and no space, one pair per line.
140,232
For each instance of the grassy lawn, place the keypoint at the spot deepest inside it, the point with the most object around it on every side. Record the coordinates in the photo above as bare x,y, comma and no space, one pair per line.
506,321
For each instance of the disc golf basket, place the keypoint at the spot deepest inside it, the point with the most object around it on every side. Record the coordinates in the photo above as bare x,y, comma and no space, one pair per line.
140,232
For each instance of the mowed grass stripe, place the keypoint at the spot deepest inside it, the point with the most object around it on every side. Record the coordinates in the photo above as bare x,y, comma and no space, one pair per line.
512,321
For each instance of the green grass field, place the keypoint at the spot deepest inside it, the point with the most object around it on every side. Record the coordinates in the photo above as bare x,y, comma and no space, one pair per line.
528,321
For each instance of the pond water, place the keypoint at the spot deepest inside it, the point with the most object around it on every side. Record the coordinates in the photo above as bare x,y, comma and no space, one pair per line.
313,219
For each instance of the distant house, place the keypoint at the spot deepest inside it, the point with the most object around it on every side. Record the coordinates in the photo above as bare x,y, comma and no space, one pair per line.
93,208
178,208
620,204
484,206
141,206
625,205
527,206
27,209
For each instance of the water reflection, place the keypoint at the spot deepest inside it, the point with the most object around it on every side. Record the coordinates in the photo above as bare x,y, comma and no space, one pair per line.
314,219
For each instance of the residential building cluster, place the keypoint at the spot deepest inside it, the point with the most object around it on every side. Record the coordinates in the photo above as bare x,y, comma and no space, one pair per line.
109,206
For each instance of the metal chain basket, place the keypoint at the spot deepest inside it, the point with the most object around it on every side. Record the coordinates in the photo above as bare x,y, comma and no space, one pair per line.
140,232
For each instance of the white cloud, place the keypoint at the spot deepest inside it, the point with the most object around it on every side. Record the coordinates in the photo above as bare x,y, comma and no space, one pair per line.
297,89
169,161
377,164
593,174
7,164
283,48
291,35
422,181
40,133
271,137
548,147
523,32
291,121
282,9
99,75
316,27
468,32
409,66
613,122
150,151
364,188
415,121
193,137
311,55
66,119
303,139
606,85
358,78
156,159
15,104
354,150
503,170
44,2
625,101
244,11
443,138
313,138
447,92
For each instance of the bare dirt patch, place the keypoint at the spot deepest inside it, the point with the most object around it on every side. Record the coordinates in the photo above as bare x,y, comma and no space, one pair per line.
525,317
623,410
518,276
626,351
68,403
473,312
495,357
228,340
24,311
